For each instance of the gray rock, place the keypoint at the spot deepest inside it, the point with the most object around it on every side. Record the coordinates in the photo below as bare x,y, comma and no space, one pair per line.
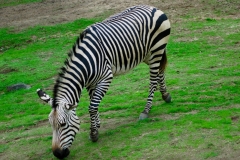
18,86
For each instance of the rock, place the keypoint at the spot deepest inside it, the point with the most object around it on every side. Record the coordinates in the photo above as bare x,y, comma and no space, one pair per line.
18,86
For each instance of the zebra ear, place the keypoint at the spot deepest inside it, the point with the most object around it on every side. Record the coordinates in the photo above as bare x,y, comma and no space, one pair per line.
71,106
45,97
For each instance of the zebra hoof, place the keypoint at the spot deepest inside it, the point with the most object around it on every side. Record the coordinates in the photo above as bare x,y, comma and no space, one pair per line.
167,98
143,116
94,136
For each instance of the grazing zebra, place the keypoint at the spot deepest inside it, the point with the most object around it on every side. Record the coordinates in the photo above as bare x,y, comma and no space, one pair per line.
103,50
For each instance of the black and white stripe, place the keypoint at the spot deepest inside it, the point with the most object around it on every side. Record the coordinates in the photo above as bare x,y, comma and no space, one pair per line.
113,47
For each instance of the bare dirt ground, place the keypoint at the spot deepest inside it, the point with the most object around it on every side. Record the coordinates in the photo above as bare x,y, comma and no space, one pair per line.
50,12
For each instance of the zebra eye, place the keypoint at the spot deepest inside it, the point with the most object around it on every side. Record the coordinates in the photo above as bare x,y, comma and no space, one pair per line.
63,124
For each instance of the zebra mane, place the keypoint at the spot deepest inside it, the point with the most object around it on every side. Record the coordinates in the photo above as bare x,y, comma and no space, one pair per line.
82,35
118,15
60,76
123,13
66,64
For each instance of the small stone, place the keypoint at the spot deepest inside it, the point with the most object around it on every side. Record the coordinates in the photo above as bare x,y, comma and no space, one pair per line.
18,86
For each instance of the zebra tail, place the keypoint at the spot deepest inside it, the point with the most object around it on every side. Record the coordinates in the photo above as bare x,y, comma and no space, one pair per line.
163,62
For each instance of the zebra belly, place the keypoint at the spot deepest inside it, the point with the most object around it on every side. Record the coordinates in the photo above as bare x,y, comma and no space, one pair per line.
118,70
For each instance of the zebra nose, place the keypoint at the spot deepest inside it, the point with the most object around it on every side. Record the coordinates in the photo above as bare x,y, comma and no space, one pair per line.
60,154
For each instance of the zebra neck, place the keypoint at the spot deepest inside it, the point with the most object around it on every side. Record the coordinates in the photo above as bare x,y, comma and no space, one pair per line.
69,85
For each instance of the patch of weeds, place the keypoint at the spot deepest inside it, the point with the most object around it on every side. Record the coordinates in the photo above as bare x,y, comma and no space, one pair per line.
3,147
210,154
8,3
210,20
178,110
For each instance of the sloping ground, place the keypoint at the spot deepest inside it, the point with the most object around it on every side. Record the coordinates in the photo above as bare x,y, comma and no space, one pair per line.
50,12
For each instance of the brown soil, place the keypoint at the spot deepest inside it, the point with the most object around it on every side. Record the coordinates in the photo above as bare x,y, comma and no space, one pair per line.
5,70
50,12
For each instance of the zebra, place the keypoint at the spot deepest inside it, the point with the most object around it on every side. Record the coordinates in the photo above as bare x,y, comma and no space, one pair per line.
103,50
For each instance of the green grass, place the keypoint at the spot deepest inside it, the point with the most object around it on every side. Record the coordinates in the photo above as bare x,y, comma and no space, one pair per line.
7,3
202,76
28,61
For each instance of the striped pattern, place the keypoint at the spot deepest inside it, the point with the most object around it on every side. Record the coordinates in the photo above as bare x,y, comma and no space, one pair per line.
67,124
103,50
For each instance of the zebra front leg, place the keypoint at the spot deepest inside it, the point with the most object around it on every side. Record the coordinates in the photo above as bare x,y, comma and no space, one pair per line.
97,95
95,124
163,89
94,115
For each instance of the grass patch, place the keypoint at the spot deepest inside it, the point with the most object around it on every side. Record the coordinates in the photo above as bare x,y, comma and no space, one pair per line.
202,76
28,61
7,3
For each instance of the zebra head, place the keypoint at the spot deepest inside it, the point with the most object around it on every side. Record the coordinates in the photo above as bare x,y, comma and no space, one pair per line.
65,124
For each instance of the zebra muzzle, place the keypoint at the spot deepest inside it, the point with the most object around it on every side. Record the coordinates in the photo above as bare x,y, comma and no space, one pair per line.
60,154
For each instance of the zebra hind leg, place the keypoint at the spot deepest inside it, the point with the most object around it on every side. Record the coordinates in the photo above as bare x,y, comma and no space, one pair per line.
144,114
154,70
163,89
157,67
161,78
165,95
